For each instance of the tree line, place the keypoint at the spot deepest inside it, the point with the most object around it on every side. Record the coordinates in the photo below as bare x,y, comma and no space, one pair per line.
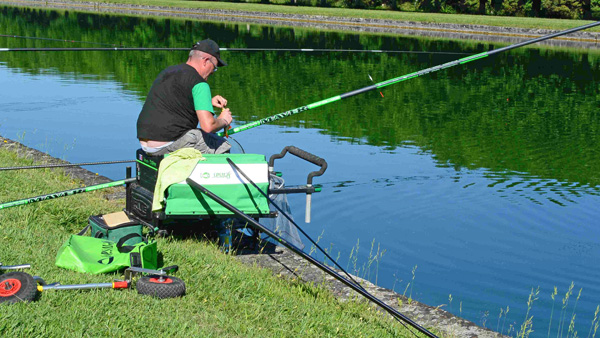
559,9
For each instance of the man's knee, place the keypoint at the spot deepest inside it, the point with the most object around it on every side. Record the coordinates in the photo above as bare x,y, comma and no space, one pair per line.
198,139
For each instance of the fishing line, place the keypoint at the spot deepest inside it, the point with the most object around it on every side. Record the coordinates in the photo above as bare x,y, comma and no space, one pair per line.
65,165
291,220
239,145
400,79
307,236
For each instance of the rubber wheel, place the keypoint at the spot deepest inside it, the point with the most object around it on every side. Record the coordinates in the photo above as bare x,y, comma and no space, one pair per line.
17,287
165,287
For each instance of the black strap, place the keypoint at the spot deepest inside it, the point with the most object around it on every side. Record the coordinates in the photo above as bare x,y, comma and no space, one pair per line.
98,234
127,248
82,232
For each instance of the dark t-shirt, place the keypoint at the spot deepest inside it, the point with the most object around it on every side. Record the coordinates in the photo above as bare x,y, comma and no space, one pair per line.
169,110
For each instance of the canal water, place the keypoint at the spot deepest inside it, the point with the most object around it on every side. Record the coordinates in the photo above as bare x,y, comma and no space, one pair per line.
466,189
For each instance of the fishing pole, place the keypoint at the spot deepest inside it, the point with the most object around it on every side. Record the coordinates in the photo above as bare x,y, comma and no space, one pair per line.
133,49
400,79
309,258
285,214
374,82
64,165
59,40
66,193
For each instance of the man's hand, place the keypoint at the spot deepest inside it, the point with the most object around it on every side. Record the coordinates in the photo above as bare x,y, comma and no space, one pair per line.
219,102
226,115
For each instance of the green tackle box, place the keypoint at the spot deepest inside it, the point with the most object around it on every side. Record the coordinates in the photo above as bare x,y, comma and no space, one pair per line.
218,176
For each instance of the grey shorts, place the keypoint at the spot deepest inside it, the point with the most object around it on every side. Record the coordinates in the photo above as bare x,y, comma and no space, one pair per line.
196,138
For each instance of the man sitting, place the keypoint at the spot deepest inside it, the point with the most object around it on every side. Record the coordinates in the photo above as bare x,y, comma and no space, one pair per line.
178,100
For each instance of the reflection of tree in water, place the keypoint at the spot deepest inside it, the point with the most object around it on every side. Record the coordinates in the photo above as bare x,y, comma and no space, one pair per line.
532,111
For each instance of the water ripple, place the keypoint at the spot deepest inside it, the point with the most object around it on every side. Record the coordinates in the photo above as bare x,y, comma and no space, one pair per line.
509,185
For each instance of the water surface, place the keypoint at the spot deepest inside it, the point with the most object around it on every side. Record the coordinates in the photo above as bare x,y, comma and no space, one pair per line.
484,177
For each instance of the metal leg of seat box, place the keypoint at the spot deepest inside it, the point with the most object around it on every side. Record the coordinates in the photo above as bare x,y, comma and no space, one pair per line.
225,230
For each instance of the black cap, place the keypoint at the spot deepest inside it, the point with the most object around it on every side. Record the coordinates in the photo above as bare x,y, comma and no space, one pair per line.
210,47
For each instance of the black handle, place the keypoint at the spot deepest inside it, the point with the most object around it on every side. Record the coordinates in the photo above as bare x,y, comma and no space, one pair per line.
305,155
127,248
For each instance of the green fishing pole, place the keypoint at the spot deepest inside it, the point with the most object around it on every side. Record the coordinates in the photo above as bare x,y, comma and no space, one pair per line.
142,49
400,79
66,193
62,165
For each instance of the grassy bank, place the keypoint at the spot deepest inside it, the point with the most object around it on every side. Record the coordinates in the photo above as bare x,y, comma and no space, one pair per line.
224,297
460,19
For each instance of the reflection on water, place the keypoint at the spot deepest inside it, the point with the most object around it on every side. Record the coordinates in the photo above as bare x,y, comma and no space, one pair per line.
485,176
529,187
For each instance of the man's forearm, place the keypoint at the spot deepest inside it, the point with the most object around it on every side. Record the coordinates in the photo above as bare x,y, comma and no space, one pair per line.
221,123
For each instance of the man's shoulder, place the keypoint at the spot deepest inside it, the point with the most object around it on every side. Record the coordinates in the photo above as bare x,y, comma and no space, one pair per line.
182,74
179,68
185,71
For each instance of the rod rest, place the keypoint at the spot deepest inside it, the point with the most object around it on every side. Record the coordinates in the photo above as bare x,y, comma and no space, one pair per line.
314,159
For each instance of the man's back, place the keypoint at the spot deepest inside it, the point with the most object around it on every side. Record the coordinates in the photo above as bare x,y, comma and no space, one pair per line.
169,108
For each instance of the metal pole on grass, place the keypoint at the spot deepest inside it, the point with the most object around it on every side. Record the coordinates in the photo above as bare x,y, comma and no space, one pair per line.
41,166
309,258
65,193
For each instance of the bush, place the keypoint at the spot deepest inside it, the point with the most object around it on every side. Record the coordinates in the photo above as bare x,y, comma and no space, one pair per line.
372,3
459,6
389,4
409,6
432,6
595,9
562,9
512,8
353,3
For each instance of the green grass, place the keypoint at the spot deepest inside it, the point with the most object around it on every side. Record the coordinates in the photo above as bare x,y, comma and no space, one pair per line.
501,21
224,297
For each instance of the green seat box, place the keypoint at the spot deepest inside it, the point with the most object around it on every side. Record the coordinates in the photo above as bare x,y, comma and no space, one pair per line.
219,177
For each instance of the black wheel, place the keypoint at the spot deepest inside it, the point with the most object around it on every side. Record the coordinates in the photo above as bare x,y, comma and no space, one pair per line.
17,287
160,286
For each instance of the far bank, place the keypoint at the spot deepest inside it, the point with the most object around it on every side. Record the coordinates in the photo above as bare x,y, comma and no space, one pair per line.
449,26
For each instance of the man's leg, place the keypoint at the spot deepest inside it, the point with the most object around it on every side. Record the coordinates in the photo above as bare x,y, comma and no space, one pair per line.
216,144
196,138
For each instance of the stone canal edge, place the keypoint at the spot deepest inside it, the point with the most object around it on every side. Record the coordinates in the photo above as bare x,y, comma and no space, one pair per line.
283,262
582,39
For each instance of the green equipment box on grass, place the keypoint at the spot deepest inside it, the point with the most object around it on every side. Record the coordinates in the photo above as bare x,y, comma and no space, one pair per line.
233,182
